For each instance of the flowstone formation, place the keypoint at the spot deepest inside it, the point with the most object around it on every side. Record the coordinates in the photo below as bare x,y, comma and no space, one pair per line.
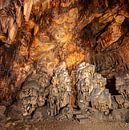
91,91
33,93
40,90
94,99
84,77
52,94
60,91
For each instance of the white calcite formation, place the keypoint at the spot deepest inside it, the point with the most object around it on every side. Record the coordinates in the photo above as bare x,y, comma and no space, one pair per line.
33,93
84,77
60,90
40,88
91,89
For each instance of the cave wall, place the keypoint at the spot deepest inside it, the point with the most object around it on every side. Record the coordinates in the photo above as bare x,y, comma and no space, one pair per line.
36,35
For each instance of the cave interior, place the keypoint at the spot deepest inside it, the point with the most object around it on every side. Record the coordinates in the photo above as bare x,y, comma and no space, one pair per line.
68,59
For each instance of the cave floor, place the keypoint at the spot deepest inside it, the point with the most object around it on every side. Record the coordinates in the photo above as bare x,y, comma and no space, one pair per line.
64,125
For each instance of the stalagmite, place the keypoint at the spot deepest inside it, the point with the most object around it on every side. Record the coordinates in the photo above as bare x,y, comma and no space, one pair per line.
60,91
84,84
91,88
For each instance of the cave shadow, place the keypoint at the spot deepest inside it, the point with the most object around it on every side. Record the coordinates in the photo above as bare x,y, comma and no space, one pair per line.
111,85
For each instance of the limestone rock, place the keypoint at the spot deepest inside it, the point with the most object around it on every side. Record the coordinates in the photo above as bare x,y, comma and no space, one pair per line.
2,110
37,35
122,85
84,77
120,115
100,97
91,88
113,33
31,96
60,90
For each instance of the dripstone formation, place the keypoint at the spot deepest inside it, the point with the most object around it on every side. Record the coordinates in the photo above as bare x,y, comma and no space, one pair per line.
33,93
60,91
69,57
93,98
91,88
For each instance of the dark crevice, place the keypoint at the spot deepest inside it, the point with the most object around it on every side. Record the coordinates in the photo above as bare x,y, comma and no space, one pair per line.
111,85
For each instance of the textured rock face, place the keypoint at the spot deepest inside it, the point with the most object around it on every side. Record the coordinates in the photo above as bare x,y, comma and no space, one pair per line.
60,90
56,91
113,33
122,85
34,92
42,44
31,96
91,88
85,74
37,90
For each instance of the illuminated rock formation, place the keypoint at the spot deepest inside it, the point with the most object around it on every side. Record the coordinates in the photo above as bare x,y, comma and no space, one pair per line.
55,44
